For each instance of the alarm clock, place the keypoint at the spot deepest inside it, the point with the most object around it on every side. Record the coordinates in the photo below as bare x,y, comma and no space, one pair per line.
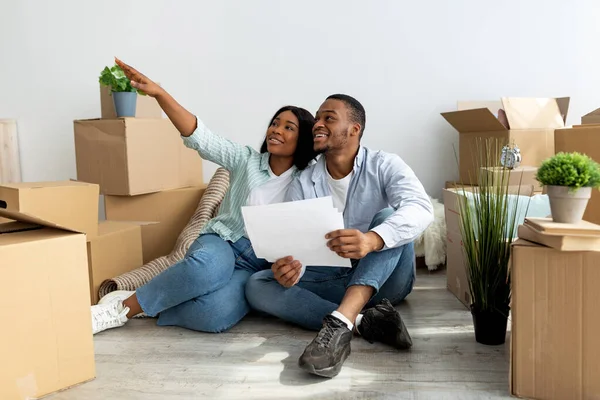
511,157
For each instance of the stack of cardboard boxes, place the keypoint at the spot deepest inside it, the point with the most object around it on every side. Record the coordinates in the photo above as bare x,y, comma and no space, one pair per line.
145,173
47,340
56,253
555,276
554,272
555,279
528,123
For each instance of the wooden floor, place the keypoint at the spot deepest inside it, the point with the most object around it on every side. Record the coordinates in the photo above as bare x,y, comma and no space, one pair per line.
258,360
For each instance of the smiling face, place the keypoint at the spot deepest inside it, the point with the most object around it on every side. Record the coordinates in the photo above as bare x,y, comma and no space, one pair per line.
282,134
333,129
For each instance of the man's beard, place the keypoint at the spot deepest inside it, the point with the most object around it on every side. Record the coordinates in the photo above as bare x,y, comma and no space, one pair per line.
341,143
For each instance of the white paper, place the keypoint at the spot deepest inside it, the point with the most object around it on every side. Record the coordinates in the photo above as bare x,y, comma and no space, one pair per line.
296,229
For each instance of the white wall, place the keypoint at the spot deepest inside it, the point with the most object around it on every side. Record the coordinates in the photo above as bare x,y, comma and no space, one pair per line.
235,62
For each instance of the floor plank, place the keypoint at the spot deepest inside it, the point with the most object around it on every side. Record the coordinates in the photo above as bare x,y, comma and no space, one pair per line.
258,360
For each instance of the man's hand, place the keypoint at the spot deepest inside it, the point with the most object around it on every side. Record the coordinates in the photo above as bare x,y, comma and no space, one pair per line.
352,243
139,80
287,271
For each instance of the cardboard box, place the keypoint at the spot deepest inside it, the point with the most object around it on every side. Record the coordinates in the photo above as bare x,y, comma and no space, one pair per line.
530,125
583,139
117,249
524,176
591,117
67,205
146,106
132,156
555,353
456,273
46,342
454,184
172,209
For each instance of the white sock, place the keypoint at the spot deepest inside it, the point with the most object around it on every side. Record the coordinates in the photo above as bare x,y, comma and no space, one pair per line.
342,318
358,320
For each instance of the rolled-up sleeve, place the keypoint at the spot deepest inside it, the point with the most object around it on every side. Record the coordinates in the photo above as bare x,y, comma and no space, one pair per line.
413,209
215,148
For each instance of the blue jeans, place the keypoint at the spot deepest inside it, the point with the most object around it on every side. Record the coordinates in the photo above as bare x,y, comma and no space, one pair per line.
391,273
205,290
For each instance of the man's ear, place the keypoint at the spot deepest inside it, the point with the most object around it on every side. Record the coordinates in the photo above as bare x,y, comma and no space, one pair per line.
355,129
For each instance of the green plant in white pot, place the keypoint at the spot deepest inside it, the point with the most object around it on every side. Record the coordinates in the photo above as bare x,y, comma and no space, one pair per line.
569,179
124,95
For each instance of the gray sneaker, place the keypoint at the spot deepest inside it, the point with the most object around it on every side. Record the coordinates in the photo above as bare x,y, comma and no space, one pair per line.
327,352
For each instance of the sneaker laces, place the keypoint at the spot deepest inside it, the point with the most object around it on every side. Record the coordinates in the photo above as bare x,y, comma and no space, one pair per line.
109,315
326,333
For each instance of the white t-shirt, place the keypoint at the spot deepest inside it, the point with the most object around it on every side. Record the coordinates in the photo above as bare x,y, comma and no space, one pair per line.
339,190
272,191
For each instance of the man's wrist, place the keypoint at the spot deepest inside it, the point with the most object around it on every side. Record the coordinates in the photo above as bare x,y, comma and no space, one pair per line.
376,243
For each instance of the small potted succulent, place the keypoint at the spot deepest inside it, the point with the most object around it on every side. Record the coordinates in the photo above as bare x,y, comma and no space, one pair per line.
123,94
569,179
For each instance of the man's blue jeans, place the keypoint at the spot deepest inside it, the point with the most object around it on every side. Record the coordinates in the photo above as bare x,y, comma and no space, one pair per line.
205,290
391,273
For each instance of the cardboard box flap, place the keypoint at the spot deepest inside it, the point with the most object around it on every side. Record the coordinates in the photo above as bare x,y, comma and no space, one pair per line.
476,120
534,112
493,106
596,112
31,219
563,106
98,127
66,205
17,226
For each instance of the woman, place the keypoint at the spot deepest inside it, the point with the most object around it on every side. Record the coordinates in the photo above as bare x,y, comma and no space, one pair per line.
205,290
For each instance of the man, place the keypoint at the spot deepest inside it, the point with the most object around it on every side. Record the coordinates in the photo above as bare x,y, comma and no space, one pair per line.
385,209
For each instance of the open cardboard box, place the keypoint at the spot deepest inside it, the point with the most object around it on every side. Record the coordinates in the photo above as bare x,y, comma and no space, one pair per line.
527,122
456,273
65,204
591,118
46,343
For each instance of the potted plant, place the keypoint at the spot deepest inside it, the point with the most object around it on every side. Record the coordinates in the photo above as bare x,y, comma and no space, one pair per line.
488,226
569,179
124,95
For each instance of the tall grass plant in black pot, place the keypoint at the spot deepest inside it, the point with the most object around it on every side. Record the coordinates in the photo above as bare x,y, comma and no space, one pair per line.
488,225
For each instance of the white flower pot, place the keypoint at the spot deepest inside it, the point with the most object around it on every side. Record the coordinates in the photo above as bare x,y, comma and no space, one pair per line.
568,206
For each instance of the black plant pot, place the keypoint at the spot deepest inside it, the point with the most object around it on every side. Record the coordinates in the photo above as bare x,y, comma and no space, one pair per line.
490,326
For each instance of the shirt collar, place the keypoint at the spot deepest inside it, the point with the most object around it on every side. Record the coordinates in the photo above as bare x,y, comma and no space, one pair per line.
264,161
